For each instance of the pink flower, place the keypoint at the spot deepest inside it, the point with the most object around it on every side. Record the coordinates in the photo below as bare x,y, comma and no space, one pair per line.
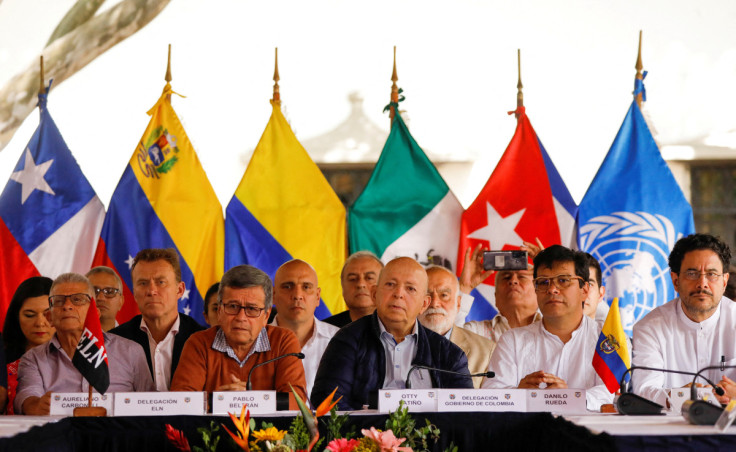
342,445
386,440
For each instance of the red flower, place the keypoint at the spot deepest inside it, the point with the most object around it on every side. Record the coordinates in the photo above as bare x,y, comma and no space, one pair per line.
177,438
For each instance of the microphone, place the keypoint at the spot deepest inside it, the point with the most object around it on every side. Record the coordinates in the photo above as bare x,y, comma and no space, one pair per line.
632,404
248,385
489,374
700,412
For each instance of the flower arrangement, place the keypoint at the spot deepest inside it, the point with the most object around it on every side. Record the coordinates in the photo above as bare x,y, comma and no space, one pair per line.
400,434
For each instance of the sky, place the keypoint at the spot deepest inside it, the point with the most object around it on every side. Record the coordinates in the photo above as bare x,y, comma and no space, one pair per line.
456,64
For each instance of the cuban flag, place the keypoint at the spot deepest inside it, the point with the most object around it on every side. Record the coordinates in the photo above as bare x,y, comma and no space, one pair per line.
49,214
524,199
164,200
285,209
630,218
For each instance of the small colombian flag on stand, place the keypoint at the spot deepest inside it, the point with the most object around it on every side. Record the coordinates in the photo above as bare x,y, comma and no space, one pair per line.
612,357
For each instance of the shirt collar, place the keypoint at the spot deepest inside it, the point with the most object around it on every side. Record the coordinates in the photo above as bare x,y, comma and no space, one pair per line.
414,332
706,324
449,333
261,345
174,328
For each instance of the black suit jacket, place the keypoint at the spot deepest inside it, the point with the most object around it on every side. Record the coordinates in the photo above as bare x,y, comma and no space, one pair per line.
132,330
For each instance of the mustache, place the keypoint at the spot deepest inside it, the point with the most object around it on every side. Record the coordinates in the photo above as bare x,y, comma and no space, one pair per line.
430,311
701,291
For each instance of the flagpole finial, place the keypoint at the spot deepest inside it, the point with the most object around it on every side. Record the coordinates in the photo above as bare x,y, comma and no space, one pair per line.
394,89
519,86
639,76
42,89
276,78
168,67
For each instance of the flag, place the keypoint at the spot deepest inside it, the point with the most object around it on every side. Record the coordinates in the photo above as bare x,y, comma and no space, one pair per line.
406,209
630,218
524,199
284,209
90,356
50,217
164,200
612,357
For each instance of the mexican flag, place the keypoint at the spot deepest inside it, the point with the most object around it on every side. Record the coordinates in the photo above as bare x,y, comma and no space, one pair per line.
406,209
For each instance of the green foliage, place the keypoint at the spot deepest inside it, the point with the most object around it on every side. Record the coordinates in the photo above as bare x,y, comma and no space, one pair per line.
404,426
298,436
167,165
451,448
210,437
335,425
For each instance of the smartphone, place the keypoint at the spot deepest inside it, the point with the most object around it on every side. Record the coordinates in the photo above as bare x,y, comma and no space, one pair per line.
505,260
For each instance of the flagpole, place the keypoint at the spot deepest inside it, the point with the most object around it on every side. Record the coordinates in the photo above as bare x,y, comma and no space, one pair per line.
167,77
276,93
394,91
519,87
42,90
639,76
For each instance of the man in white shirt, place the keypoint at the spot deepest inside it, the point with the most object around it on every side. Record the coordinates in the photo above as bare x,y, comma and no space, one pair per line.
593,307
695,330
160,329
558,351
444,290
296,297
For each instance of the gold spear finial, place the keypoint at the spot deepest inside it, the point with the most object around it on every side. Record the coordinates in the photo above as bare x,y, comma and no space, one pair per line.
276,78
168,67
519,86
42,90
394,89
639,76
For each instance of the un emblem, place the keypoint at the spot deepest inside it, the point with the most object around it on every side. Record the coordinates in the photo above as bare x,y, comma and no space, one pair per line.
632,248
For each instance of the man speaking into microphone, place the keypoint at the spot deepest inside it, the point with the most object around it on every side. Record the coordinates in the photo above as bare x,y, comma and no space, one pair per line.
377,351
222,357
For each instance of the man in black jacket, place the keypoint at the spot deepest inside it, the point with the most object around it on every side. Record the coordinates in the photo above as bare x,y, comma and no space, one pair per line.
376,351
160,329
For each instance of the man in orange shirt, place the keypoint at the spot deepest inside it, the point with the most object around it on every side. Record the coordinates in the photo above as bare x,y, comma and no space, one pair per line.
220,359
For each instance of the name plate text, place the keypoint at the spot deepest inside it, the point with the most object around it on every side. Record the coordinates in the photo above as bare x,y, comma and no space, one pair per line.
679,395
481,400
63,403
565,401
258,402
159,403
417,400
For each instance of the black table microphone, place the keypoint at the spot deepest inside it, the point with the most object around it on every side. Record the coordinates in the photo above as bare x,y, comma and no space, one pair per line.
248,386
700,412
489,374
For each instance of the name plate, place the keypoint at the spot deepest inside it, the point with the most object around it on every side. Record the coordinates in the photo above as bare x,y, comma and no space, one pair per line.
565,401
159,403
258,402
679,395
481,400
63,403
417,400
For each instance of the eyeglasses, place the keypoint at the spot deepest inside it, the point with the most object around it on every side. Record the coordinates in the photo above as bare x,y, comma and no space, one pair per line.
108,292
561,281
693,275
77,299
234,309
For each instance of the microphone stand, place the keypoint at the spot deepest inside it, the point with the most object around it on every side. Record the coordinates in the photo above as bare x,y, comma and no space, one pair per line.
489,374
700,412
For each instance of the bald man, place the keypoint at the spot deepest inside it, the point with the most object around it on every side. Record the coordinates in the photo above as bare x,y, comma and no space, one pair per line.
377,351
296,296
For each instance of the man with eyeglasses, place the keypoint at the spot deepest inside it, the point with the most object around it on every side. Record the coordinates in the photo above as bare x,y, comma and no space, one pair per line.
557,352
296,295
48,368
220,358
108,294
695,330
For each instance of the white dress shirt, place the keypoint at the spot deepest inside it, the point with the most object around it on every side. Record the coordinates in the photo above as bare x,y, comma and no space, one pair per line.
667,339
314,348
494,328
525,350
161,355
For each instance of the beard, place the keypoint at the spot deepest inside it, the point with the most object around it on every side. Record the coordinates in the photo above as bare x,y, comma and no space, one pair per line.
437,320
694,306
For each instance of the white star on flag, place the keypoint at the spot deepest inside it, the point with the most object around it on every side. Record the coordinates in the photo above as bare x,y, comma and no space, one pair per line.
31,177
129,261
186,295
187,309
499,231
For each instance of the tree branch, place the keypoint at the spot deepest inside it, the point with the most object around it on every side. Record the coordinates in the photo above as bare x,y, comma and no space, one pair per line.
81,12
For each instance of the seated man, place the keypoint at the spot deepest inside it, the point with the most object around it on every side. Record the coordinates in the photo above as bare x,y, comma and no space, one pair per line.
296,296
108,294
439,317
48,368
359,276
377,351
220,358
695,330
558,351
